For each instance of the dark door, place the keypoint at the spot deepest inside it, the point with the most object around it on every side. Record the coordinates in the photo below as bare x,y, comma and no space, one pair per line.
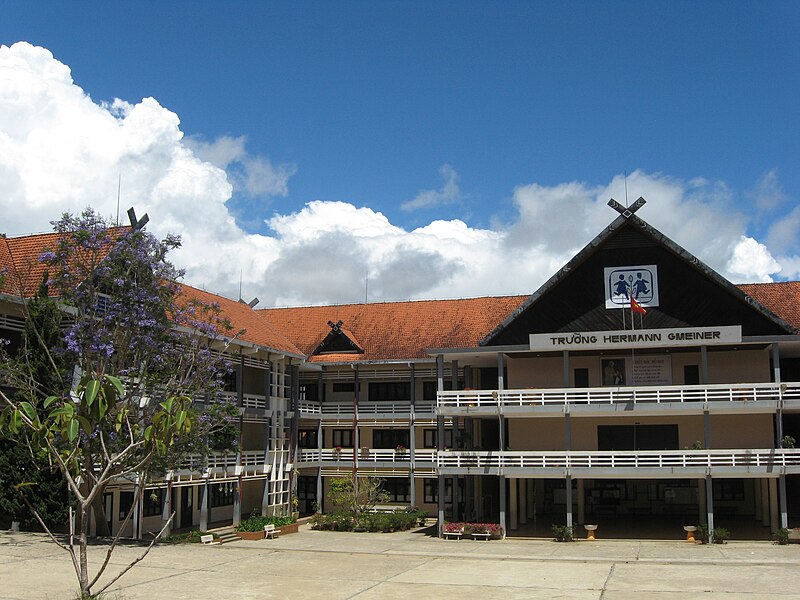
186,506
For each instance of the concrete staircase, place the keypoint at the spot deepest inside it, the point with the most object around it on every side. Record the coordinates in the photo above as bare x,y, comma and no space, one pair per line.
225,534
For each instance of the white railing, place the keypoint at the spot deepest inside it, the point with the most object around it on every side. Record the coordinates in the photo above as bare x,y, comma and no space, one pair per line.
736,392
628,459
365,409
365,456
248,400
194,462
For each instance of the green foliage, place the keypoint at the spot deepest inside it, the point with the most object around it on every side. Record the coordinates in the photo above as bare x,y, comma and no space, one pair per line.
357,496
788,441
564,533
256,522
188,537
386,522
720,534
781,536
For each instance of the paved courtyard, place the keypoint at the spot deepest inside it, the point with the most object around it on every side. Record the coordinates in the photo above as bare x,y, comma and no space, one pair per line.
315,564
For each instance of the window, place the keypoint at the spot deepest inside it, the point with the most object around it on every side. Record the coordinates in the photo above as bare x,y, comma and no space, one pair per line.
429,389
637,437
342,387
691,374
153,502
581,378
307,438
429,438
309,391
381,391
397,489
390,438
343,438
229,381
431,491
307,487
221,494
125,503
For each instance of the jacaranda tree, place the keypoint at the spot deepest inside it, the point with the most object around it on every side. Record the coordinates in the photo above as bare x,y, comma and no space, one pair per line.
141,354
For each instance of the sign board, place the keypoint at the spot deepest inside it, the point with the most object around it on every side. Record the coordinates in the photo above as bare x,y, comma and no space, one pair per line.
652,370
639,338
624,283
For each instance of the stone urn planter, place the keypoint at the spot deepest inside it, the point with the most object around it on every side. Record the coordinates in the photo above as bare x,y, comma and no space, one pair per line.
590,529
689,529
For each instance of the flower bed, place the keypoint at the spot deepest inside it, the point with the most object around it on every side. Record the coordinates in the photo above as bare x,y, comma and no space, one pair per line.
493,529
252,528
385,522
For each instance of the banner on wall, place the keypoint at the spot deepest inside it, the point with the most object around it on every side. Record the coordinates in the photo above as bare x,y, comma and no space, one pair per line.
623,283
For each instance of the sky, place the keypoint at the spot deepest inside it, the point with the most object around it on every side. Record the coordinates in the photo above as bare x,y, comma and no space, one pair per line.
318,152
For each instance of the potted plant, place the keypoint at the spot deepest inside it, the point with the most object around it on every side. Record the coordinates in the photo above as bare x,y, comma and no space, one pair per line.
337,452
364,451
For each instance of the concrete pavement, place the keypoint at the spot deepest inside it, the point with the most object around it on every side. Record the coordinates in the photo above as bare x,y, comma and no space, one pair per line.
332,565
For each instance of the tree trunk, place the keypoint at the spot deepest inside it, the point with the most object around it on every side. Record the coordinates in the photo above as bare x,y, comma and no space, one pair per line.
100,518
83,574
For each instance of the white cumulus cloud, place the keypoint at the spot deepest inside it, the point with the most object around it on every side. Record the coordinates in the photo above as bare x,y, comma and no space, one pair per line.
62,151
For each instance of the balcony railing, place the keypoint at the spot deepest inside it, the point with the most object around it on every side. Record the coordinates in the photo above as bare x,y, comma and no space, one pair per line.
365,456
645,395
194,462
365,409
627,459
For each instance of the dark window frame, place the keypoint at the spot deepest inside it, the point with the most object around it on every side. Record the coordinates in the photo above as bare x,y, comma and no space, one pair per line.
429,437
398,488
389,439
343,438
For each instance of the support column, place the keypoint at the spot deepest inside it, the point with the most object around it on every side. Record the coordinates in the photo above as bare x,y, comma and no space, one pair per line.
237,502
757,499
567,431
440,443
704,365
166,512
710,508
412,487
136,517
513,504
523,501
707,430
502,479
531,498
701,502
468,377
356,444
581,504
784,509
319,493
568,500
774,517
764,503
566,368
501,367
204,506
457,516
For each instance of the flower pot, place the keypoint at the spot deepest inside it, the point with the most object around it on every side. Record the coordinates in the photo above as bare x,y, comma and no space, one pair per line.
250,535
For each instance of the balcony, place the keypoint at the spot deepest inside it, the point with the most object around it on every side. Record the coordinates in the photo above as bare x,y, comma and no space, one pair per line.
222,466
684,399
642,464
366,456
341,411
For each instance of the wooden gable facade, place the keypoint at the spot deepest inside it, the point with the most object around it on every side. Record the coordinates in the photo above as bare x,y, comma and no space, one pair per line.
691,294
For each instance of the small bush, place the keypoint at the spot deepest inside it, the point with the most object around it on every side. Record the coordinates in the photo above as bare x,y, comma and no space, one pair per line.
781,536
257,522
564,533
386,522
721,535
189,537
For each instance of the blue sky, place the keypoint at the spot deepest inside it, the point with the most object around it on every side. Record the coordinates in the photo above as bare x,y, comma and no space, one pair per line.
458,105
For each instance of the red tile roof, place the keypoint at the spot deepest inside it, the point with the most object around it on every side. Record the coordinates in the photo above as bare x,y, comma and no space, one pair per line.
782,298
19,260
395,330
254,326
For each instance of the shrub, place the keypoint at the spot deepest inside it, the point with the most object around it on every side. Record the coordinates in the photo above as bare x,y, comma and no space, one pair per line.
721,535
257,522
386,522
781,536
564,533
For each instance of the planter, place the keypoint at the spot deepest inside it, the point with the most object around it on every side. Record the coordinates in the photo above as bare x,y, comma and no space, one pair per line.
287,529
689,529
590,529
250,535
794,535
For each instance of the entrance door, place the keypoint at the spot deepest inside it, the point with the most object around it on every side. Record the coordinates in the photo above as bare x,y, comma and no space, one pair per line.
186,506
108,502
